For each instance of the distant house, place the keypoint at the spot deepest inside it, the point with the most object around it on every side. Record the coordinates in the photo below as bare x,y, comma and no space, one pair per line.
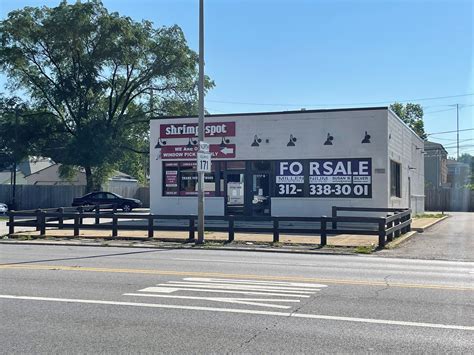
458,173
50,176
6,177
34,164
436,169
27,167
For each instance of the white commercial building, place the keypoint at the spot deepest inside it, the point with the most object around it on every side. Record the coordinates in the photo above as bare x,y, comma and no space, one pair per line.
293,163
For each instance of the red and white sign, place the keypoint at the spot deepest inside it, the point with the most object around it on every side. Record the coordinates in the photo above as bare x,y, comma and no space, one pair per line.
178,152
185,130
171,178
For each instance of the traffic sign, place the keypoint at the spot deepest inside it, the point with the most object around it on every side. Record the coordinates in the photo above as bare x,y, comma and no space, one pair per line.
204,147
204,162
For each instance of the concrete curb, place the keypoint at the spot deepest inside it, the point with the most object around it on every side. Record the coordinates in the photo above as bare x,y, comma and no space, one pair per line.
436,221
396,242
180,246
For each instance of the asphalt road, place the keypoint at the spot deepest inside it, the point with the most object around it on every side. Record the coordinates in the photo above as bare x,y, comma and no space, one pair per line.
116,300
451,239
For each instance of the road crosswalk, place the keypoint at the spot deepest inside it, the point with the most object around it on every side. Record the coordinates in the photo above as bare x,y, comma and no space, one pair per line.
269,294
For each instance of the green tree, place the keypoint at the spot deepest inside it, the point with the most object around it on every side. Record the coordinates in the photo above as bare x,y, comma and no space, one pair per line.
93,71
412,115
22,132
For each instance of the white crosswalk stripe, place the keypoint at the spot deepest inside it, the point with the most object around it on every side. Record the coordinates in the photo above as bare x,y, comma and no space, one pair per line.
274,294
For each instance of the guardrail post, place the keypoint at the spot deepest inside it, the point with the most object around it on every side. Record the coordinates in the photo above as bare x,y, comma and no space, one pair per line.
60,218
97,214
389,235
38,217
81,211
276,231
382,233
192,228
396,223
150,226
407,228
76,224
231,229
409,225
114,225
324,237
42,223
11,223
334,215
114,208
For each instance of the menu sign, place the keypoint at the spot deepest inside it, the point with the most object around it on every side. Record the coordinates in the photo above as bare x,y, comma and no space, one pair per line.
290,179
341,178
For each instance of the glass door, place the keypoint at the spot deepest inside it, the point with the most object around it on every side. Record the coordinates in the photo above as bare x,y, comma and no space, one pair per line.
235,192
260,194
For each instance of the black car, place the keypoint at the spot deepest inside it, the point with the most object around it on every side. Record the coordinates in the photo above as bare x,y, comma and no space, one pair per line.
107,198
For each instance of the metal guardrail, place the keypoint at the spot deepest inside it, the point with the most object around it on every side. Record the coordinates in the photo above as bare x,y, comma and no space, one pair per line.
385,227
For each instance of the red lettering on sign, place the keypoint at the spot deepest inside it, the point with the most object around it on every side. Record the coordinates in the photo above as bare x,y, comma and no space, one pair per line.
183,152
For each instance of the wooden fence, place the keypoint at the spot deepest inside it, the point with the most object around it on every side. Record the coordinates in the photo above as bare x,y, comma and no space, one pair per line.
449,199
52,196
386,228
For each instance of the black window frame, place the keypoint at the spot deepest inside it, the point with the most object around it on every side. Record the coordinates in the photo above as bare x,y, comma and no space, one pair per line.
395,179
218,167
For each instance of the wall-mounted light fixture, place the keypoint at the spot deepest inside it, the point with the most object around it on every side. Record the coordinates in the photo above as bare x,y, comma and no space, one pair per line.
411,168
256,141
224,142
366,138
291,142
191,142
329,140
160,143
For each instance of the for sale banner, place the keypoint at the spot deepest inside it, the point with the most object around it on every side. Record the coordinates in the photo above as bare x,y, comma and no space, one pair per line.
290,179
341,178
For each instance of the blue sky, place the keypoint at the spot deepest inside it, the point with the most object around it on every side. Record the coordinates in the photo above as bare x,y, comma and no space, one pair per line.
276,55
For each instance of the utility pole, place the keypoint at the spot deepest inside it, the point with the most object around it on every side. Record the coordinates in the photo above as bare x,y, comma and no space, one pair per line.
200,239
457,130
14,161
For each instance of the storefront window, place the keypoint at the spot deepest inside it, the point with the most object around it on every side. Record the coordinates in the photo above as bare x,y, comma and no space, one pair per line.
261,165
170,171
182,179
188,179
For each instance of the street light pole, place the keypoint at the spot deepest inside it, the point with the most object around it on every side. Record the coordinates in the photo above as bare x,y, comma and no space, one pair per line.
200,239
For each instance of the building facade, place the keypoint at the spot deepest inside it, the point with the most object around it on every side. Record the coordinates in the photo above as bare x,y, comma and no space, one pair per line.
294,163
436,168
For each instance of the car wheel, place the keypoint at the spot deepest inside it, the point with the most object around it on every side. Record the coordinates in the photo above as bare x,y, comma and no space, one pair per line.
126,208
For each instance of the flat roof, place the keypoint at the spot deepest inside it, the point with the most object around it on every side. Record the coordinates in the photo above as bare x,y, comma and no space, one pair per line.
276,112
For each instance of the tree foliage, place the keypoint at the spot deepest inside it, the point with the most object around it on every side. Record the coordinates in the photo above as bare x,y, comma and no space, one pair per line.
93,72
22,132
412,115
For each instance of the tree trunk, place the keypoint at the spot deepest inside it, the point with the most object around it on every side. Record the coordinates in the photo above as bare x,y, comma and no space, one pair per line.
89,182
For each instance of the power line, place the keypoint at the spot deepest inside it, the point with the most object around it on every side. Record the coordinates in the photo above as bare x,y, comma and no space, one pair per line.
461,130
448,109
339,104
